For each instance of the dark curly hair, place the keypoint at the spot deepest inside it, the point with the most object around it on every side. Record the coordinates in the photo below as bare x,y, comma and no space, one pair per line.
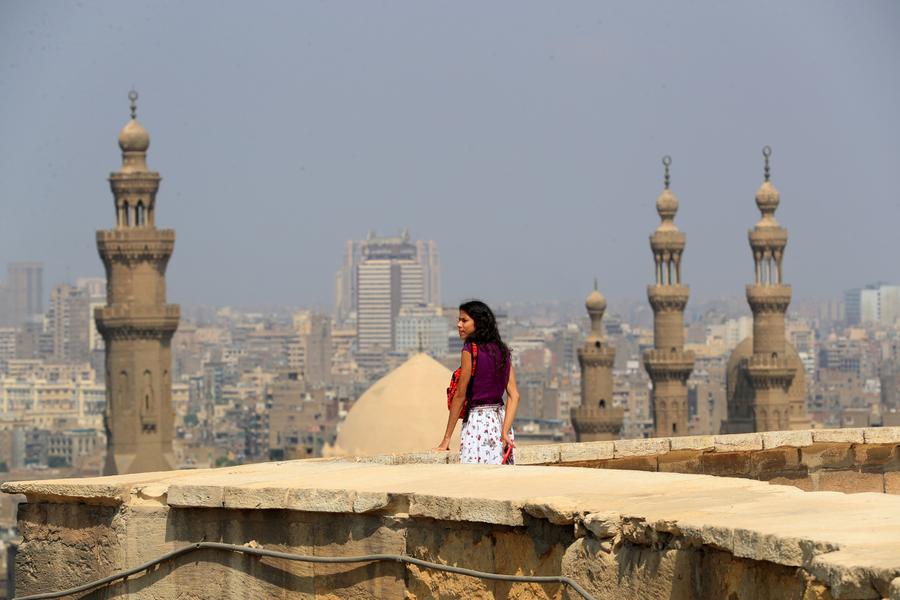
486,331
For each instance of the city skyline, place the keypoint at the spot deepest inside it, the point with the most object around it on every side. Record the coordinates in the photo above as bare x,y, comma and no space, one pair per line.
554,133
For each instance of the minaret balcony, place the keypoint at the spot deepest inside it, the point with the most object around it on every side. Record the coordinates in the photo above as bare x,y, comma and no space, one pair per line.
136,244
597,356
770,237
667,241
668,298
768,372
154,322
665,365
134,182
590,419
769,298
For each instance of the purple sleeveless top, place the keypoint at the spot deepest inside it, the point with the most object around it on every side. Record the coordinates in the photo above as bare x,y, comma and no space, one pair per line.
489,385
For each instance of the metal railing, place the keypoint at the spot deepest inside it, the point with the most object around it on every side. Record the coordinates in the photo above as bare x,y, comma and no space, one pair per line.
398,558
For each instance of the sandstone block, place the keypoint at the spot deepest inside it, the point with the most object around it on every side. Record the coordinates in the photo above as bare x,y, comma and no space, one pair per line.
882,435
640,447
693,442
767,463
849,435
471,549
499,512
603,525
794,439
876,458
633,463
726,464
799,480
776,549
359,534
585,451
680,461
542,454
895,589
850,482
370,501
892,482
320,500
559,510
517,552
195,495
827,456
844,581
421,458
738,441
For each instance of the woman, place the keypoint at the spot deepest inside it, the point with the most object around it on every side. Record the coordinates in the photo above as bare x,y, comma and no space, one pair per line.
487,428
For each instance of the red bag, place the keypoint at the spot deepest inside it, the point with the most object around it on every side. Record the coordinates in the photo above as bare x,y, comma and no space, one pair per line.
454,384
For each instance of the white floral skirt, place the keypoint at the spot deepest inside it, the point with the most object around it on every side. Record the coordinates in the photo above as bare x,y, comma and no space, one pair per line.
479,440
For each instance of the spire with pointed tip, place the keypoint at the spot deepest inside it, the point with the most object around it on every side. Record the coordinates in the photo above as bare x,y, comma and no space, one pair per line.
133,96
134,141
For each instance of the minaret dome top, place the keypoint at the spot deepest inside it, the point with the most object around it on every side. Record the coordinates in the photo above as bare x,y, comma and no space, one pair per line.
134,141
595,302
134,138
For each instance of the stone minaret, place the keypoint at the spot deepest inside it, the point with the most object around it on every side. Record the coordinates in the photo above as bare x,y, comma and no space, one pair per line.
596,419
668,365
769,370
137,324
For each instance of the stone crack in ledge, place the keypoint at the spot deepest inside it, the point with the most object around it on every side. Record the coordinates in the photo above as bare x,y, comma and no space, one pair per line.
851,543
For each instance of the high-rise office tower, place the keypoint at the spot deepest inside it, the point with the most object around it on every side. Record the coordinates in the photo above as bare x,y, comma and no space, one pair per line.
428,257
396,249
24,292
345,283
389,276
765,377
69,323
315,352
597,419
667,363
137,324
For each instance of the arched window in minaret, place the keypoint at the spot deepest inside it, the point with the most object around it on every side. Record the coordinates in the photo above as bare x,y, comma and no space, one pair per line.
674,427
147,408
122,389
139,214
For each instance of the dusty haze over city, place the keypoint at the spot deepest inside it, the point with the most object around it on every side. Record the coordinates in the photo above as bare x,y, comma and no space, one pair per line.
524,138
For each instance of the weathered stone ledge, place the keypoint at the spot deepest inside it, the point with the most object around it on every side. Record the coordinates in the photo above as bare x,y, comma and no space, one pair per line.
851,543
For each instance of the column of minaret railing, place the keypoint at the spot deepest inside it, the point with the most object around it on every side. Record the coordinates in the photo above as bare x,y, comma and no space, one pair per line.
667,363
137,324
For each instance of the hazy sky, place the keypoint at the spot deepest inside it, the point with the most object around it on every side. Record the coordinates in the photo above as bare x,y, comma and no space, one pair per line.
525,138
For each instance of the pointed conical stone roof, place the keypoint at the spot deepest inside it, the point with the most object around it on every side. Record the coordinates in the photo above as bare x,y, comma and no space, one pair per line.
404,411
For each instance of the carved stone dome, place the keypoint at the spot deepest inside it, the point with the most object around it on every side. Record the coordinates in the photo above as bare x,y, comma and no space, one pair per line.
667,204
133,137
595,301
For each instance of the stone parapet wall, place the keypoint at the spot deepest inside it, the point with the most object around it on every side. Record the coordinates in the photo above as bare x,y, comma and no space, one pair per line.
841,460
620,534
838,460
614,558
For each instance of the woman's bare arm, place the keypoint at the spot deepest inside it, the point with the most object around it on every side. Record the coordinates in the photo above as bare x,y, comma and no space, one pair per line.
512,405
456,404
